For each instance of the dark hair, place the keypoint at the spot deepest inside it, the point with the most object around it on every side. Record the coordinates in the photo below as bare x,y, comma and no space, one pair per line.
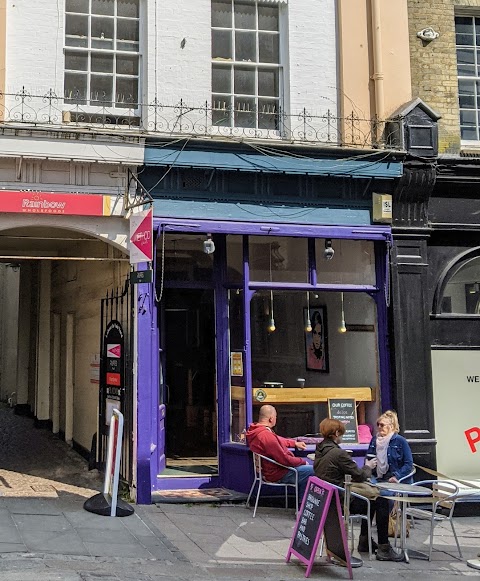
316,319
329,428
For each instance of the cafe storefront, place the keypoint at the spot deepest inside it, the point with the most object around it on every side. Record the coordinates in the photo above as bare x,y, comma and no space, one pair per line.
257,302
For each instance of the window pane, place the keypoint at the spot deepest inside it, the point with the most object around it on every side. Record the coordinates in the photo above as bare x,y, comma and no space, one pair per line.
76,61
105,7
185,259
245,15
245,46
464,30
466,87
466,70
76,6
267,18
128,8
221,44
102,63
101,89
127,92
221,114
244,114
268,117
466,102
268,48
463,290
221,79
352,263
76,25
466,56
127,30
268,82
75,88
127,65
244,79
468,117
102,32
222,14
469,133
278,259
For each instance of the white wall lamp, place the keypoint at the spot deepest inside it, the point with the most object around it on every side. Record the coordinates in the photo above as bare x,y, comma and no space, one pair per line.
308,322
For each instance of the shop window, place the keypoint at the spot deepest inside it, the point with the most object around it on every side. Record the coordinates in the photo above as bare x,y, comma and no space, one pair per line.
278,259
237,366
234,259
312,343
461,294
185,259
246,65
352,261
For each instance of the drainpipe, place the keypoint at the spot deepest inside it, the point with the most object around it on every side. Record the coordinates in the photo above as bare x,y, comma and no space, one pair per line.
377,75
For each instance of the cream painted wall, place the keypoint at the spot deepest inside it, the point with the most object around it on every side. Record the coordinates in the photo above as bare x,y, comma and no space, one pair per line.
356,56
78,288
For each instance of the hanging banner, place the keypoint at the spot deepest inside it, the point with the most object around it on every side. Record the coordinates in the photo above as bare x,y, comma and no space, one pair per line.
141,237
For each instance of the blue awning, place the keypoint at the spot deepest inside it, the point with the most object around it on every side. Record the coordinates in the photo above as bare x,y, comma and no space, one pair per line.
262,213
363,167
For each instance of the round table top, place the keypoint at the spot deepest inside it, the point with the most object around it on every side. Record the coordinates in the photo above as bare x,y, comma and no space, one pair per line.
402,488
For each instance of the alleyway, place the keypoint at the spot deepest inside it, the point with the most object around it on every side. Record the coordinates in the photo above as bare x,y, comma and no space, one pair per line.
35,463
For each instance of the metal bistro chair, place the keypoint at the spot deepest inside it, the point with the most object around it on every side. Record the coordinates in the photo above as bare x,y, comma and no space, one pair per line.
354,517
446,494
260,481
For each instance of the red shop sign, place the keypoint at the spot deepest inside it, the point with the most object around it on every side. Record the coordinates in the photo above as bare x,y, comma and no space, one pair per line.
54,203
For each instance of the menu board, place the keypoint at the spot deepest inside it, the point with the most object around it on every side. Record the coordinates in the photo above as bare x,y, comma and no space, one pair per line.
319,514
345,410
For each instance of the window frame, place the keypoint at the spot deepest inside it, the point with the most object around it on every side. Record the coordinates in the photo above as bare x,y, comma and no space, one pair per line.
113,105
228,108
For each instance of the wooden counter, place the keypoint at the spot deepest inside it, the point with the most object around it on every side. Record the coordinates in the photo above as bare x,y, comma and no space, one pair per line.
306,395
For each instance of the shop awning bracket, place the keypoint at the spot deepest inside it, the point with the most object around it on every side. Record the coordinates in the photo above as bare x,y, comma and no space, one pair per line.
141,197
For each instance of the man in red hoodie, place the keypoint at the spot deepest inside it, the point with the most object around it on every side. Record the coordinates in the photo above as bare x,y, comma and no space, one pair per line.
262,439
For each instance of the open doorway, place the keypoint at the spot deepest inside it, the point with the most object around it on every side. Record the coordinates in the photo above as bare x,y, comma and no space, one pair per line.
190,392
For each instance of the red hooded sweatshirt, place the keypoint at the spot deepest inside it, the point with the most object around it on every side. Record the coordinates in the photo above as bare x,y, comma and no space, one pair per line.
262,440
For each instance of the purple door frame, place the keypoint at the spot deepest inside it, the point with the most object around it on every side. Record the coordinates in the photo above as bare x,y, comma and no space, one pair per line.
148,404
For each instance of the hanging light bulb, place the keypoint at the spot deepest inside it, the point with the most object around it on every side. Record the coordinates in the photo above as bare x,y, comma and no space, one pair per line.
308,324
343,326
271,324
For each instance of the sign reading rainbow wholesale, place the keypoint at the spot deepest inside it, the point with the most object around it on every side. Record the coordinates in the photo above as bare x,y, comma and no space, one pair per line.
54,203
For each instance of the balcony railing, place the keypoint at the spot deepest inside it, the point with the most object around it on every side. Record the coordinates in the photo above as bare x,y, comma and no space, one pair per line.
156,118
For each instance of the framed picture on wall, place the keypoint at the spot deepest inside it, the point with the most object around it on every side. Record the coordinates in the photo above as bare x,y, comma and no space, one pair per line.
316,340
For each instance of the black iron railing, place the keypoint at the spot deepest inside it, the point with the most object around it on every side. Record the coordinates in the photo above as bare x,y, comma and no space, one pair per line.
215,119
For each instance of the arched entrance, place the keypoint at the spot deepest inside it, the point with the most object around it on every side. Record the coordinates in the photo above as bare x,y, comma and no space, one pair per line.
54,273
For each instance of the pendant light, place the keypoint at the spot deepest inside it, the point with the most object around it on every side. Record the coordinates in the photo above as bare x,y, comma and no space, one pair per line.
308,323
271,324
343,327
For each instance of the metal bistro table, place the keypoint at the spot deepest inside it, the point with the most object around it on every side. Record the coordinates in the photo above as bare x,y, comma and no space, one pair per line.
408,493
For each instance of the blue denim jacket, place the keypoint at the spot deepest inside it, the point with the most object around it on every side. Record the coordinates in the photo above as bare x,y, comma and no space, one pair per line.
399,455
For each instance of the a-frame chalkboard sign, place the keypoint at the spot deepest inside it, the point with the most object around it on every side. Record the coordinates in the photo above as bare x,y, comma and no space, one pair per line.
321,513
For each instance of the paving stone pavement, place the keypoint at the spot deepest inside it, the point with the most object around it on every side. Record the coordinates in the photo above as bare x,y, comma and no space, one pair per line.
45,534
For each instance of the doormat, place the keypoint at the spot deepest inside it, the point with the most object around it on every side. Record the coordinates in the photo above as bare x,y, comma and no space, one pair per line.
207,495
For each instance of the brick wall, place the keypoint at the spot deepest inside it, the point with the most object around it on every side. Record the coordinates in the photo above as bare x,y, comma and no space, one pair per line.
434,64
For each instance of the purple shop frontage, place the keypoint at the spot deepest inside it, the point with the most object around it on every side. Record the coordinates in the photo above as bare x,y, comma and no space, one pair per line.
245,313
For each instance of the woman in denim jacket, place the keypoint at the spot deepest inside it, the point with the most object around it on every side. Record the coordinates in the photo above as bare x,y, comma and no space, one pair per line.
394,457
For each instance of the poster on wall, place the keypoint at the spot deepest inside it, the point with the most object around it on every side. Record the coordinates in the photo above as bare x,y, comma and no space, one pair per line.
456,400
316,341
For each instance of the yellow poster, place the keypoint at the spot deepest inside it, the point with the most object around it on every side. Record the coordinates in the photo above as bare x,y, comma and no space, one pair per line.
236,363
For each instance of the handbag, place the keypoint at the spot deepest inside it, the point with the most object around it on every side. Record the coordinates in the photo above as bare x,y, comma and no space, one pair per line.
365,489
392,522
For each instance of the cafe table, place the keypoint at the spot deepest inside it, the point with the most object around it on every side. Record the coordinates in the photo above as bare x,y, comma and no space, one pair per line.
408,493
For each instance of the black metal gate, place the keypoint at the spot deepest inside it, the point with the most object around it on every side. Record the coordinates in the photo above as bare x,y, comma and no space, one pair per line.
116,384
